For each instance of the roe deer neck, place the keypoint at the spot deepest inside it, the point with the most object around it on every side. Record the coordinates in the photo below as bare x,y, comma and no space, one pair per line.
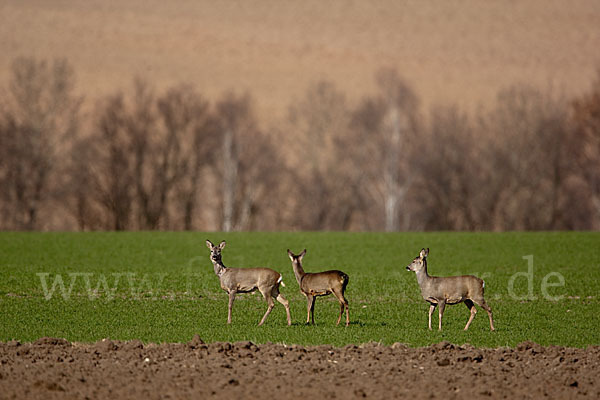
219,267
422,276
298,271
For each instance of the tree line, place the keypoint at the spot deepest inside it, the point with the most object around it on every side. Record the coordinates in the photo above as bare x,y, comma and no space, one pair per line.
175,160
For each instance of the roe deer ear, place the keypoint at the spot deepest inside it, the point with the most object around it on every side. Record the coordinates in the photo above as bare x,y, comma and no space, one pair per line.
423,253
301,255
290,254
427,252
222,245
209,244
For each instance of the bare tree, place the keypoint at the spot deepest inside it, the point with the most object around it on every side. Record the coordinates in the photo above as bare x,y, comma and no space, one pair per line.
449,181
316,141
524,162
145,158
8,132
172,160
399,126
245,161
184,112
112,172
42,115
259,192
236,120
386,126
158,128
81,186
585,149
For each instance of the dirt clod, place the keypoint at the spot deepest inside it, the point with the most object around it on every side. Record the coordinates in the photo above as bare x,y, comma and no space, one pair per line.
443,362
196,342
45,341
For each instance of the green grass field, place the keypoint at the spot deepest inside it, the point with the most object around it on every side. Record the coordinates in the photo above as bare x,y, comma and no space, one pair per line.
160,287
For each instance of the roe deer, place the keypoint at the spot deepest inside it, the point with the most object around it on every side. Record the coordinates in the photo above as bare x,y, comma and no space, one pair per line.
449,290
246,280
320,284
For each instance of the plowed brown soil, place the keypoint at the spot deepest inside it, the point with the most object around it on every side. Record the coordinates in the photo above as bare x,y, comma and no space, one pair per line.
55,368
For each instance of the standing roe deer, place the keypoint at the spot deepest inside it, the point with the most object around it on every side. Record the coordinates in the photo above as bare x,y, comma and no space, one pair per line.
449,290
246,280
320,284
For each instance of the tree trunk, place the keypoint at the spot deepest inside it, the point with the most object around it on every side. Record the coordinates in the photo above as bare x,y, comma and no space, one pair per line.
390,173
230,167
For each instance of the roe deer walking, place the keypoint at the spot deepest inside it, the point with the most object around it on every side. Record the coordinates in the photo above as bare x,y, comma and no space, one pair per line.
449,290
246,280
320,284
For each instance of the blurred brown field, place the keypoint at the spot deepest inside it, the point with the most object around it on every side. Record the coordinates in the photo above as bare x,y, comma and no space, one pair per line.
458,52
280,115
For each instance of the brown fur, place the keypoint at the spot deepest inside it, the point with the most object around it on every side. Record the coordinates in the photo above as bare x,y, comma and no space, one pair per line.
246,280
324,283
438,291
